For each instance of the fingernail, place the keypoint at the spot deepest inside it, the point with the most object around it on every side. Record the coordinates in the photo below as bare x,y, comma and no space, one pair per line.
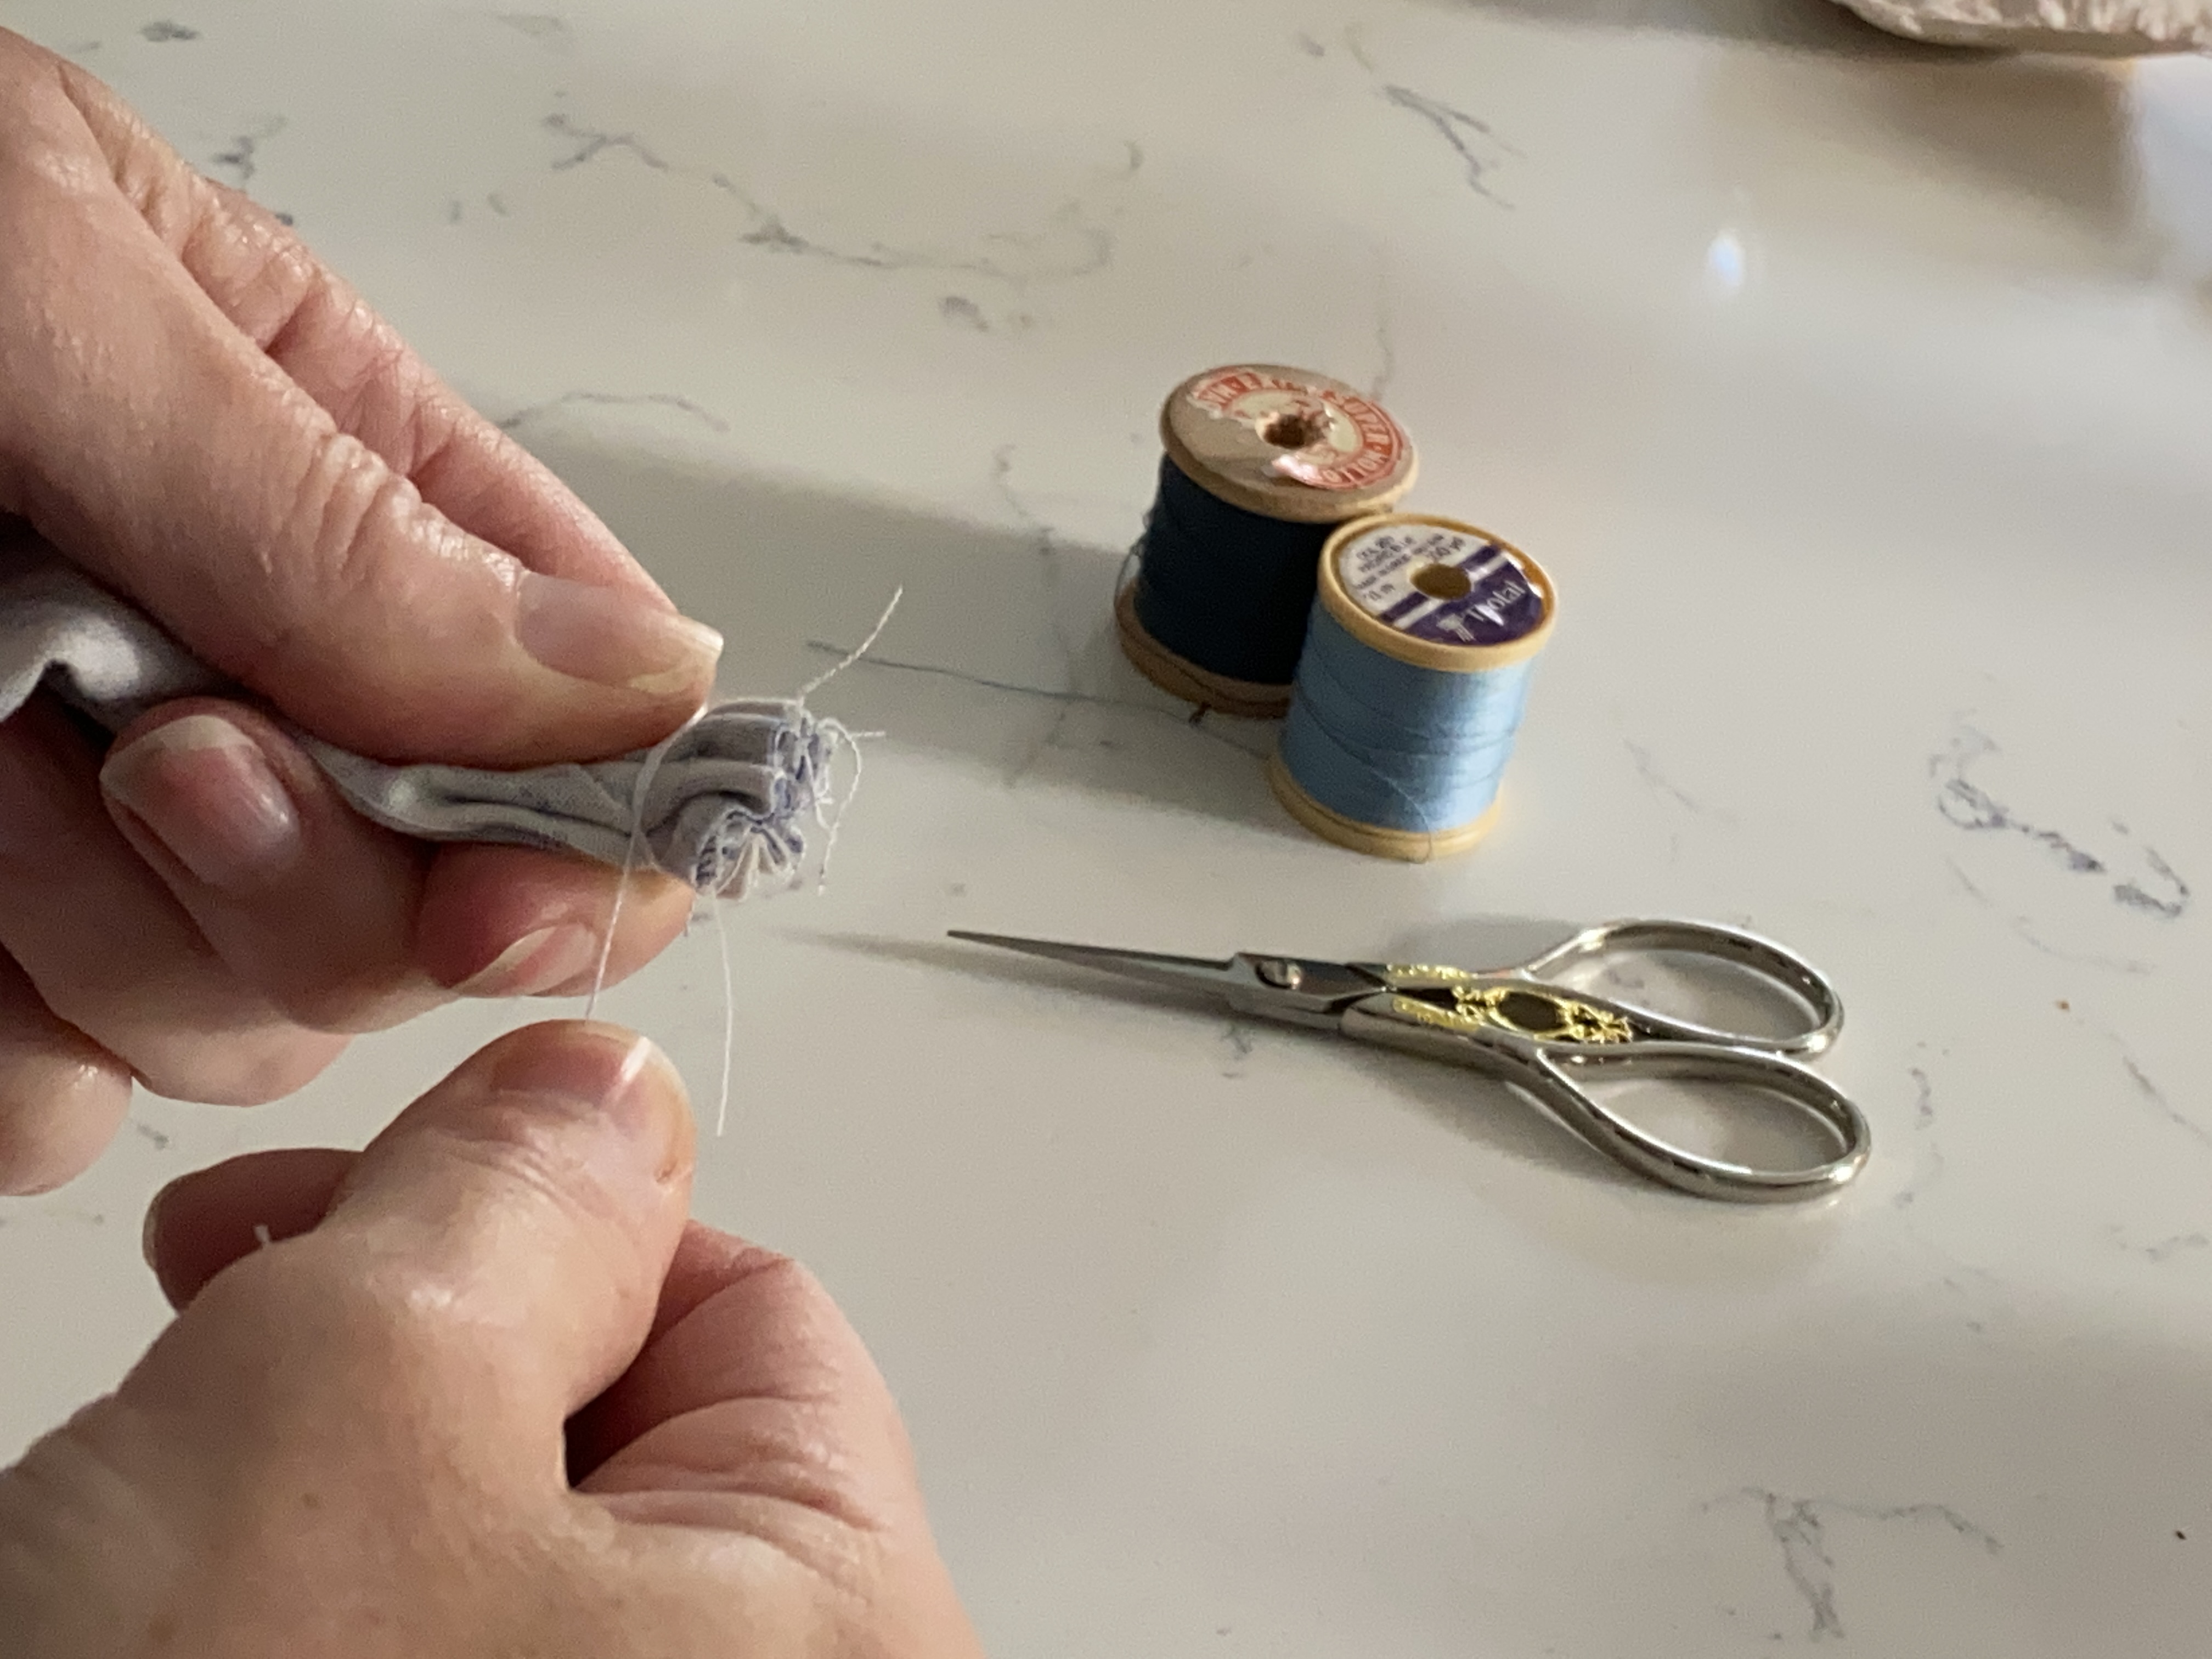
607,1071
612,638
204,790
535,964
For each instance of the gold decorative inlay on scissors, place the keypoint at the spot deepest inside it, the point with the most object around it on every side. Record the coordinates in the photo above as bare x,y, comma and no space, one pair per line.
1529,1011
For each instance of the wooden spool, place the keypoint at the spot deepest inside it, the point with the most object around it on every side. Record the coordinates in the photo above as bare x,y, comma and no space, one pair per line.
1373,632
1285,443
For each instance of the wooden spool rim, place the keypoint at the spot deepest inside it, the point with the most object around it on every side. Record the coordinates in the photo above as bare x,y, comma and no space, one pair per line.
1406,846
1227,460
1245,699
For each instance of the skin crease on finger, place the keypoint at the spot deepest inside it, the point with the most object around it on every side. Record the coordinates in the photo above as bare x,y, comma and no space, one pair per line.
363,608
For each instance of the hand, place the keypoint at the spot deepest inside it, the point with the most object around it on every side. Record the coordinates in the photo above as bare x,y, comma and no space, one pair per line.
350,1444
209,422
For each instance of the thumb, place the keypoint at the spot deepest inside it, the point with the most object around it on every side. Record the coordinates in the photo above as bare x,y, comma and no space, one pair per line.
533,1200
493,1259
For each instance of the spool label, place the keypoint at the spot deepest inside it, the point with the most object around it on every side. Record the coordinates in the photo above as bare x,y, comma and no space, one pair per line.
1336,440
1440,585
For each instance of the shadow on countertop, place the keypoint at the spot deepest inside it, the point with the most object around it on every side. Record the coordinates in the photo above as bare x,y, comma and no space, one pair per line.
1792,25
1480,1107
1002,649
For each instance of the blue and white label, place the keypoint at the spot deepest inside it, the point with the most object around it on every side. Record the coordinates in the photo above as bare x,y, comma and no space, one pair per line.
1444,586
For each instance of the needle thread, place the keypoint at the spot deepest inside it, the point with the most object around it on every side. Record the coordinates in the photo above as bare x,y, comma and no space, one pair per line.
729,1020
828,811
638,792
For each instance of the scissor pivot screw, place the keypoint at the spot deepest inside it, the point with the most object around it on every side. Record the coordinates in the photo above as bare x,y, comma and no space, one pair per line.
1283,976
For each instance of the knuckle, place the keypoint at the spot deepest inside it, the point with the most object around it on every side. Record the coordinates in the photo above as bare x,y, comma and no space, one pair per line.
400,1303
350,1005
16,51
788,1281
428,437
329,548
251,1069
529,1162
374,395
268,279
799,1301
435,1295
378,1309
380,1316
54,1124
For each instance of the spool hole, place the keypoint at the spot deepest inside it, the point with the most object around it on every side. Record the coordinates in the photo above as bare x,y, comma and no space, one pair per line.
1442,581
1294,428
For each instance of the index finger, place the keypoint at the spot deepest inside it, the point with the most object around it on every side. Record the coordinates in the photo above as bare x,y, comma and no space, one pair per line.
314,326
161,448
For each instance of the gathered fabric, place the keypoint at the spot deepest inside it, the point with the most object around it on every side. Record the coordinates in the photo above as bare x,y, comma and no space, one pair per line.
726,804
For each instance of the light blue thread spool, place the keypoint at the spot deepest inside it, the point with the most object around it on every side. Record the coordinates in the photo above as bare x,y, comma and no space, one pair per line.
1411,688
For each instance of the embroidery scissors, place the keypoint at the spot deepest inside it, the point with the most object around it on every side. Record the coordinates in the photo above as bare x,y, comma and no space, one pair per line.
1545,1038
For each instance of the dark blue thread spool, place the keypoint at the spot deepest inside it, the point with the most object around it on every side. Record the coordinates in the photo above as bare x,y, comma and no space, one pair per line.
1262,464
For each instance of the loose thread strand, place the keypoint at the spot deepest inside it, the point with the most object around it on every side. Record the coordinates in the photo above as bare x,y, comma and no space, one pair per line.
729,1019
638,792
829,812
857,652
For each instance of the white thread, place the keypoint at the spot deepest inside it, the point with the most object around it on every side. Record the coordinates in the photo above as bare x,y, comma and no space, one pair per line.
729,1022
829,812
646,773
261,1238
858,651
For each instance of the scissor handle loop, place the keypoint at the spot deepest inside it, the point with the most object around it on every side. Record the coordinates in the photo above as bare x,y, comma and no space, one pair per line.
1551,1072
1761,955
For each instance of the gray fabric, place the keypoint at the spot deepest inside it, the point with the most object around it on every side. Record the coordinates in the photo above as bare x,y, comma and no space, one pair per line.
90,649
724,803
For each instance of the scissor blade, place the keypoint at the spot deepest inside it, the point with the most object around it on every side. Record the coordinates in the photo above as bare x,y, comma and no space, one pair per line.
1146,967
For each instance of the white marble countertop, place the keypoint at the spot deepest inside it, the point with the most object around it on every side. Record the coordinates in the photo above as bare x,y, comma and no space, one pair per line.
1860,398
